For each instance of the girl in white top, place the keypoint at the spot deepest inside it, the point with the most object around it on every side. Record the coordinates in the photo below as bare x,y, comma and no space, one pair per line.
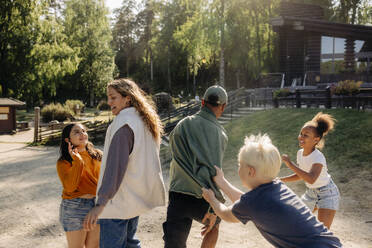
321,194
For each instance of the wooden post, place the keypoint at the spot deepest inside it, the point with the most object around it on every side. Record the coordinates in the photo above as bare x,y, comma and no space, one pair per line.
298,99
36,124
275,100
328,103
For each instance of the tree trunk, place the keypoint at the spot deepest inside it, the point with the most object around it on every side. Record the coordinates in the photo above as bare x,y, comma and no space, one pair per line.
258,40
187,77
127,66
169,74
237,79
194,83
151,70
222,45
91,95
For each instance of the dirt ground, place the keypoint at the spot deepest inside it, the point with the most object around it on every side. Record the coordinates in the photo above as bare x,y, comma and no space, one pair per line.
30,195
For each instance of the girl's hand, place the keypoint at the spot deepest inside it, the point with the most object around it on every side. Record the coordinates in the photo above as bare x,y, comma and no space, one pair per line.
286,158
219,178
74,152
91,218
208,194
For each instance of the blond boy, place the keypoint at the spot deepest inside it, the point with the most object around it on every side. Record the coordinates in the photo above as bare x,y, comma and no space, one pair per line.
281,217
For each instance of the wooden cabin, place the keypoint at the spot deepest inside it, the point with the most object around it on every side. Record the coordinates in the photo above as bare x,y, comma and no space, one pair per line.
8,122
300,28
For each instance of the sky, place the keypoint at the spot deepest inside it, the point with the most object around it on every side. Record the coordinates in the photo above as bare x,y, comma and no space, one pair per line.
113,4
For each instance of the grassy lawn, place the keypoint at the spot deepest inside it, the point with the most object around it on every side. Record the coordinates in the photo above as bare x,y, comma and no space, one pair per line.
348,146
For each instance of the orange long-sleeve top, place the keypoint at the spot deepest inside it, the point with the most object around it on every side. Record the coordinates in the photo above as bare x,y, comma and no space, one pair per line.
79,177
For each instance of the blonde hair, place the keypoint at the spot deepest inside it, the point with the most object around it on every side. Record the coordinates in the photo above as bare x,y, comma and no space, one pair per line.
322,124
260,153
142,103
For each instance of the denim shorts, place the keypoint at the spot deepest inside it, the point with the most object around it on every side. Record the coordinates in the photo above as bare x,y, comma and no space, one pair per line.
327,197
72,212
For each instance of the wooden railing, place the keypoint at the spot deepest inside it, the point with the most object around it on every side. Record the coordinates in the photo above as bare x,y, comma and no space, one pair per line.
50,133
324,98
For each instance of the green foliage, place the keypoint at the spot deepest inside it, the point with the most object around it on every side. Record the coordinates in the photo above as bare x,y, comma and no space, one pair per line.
75,106
18,22
281,93
347,147
56,50
102,105
347,87
88,31
56,112
330,67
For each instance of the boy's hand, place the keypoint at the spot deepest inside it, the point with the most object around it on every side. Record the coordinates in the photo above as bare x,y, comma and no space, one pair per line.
219,178
286,158
208,194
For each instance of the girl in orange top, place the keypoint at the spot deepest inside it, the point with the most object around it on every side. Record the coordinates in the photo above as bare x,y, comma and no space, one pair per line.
78,169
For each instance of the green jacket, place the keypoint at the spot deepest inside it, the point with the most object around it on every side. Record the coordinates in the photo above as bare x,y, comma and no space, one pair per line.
197,144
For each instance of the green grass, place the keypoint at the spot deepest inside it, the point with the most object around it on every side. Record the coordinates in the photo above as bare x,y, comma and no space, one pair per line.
348,146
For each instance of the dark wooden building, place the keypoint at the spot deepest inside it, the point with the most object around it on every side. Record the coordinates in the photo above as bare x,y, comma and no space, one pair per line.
300,28
8,114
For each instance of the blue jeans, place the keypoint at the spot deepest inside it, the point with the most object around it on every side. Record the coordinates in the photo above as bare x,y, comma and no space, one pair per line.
116,233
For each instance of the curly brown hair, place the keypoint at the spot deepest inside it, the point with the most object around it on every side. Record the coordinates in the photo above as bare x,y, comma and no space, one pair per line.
143,104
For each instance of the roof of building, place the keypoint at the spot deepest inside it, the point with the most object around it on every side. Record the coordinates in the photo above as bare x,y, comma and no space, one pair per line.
11,102
327,28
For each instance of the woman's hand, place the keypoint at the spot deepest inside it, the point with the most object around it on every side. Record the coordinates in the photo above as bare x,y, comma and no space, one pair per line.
74,152
90,220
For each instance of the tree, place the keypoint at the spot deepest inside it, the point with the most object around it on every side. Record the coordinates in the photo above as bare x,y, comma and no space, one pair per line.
52,58
124,37
17,21
88,31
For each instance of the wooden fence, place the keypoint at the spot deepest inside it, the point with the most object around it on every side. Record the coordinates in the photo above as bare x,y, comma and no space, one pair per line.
50,133
324,98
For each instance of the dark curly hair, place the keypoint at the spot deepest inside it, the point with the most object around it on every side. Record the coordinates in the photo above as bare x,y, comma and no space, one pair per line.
322,124
63,149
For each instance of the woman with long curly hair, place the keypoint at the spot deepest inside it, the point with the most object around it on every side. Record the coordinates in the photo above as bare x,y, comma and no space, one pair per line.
130,181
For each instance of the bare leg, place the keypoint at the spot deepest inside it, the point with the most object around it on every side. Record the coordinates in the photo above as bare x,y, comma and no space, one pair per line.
76,239
326,216
92,240
315,209
210,239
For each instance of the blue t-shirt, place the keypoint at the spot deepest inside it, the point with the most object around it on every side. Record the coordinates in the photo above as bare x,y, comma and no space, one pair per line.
282,218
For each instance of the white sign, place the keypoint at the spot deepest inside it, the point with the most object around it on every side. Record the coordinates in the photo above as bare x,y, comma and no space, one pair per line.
3,116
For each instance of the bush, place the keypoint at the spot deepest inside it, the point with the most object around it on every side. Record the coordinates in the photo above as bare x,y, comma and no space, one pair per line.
76,106
56,112
102,105
163,102
281,93
347,87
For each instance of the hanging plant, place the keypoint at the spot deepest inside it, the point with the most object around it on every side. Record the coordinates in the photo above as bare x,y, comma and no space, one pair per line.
347,87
